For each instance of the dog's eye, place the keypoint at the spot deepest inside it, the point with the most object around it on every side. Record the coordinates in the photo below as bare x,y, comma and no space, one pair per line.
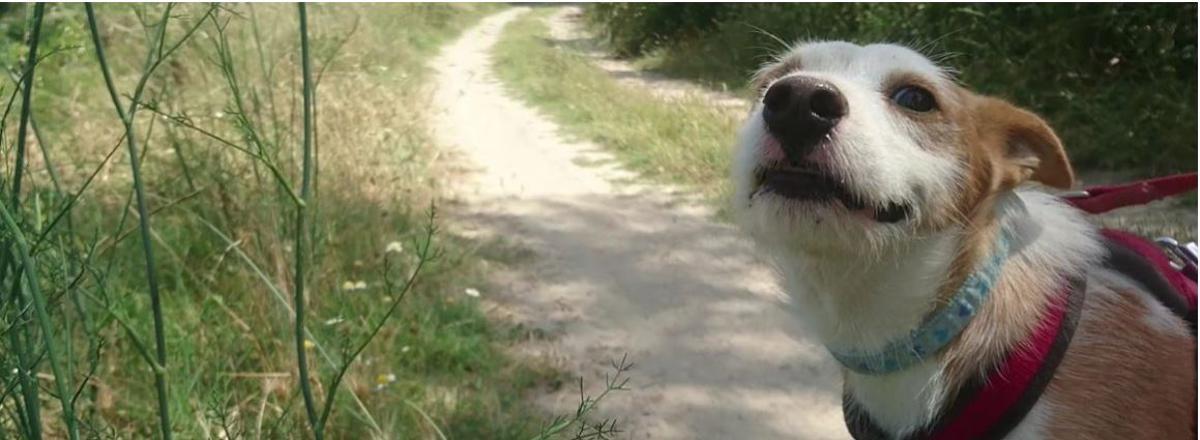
914,98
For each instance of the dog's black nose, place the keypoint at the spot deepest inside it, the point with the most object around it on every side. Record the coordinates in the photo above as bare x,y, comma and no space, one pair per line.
799,111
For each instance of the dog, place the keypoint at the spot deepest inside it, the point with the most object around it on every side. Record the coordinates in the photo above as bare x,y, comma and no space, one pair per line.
910,223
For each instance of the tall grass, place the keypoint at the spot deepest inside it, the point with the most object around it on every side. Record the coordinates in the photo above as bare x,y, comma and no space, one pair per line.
206,283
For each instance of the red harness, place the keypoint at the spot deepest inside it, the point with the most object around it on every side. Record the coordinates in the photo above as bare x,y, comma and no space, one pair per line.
989,408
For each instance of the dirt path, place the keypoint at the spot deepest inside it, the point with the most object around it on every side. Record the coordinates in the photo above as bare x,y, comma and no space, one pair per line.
620,268
566,27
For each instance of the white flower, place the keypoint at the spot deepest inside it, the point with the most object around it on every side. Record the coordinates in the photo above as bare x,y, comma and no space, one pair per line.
395,246
383,380
348,285
471,292
354,285
218,115
405,349
360,285
334,321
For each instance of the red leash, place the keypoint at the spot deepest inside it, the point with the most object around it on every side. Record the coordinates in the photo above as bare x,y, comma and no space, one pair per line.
1101,199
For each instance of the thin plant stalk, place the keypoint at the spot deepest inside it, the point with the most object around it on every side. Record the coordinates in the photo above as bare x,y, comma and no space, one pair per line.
160,367
424,255
26,96
31,289
19,340
34,296
302,229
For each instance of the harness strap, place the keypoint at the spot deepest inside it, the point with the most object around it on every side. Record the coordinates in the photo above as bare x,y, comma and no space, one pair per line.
1101,199
989,408
1143,262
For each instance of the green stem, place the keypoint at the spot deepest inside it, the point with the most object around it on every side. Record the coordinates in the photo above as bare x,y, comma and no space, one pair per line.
31,290
160,372
34,295
302,228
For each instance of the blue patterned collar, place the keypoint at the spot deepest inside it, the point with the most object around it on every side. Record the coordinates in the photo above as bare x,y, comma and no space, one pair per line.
938,329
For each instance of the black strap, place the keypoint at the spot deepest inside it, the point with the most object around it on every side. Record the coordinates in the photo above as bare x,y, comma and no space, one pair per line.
861,427
1130,263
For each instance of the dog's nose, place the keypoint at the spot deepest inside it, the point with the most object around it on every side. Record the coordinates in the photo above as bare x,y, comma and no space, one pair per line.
800,110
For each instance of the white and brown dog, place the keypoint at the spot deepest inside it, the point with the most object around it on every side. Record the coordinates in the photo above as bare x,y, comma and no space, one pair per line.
903,214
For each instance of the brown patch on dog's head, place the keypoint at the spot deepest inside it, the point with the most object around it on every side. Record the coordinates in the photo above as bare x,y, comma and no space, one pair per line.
1001,147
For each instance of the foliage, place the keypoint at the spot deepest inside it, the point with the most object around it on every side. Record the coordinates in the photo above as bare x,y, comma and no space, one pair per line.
206,105
1116,80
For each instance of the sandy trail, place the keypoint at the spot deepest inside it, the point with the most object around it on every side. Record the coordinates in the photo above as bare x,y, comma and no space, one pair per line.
624,268
566,27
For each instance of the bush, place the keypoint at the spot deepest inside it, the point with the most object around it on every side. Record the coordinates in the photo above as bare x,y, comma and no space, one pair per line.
1108,77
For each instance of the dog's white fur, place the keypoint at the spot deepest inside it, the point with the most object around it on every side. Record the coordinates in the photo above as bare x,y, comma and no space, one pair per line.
858,283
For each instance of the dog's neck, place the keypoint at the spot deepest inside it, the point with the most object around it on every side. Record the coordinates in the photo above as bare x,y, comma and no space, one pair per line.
863,304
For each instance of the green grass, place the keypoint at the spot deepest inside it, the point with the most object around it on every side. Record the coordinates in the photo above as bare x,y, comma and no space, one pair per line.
678,141
220,131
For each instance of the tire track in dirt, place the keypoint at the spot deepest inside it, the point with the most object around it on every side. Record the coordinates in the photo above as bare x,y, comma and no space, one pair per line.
621,268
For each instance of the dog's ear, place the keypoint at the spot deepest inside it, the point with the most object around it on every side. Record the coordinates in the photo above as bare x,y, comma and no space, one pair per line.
1027,147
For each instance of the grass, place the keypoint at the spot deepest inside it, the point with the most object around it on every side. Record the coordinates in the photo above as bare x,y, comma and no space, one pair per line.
677,141
269,219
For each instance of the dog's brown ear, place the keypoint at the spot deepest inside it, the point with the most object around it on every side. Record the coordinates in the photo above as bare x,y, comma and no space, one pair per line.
1028,147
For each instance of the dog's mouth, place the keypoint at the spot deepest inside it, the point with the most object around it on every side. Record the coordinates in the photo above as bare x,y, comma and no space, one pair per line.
807,183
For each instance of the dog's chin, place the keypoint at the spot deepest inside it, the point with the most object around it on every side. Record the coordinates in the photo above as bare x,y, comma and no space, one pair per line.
805,209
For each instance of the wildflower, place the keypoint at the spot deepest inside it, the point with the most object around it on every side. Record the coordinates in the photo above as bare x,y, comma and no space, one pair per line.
334,321
360,285
384,380
471,292
354,285
309,344
348,285
405,349
394,246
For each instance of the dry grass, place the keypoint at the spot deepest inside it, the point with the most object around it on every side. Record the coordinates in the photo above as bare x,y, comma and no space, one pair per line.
223,229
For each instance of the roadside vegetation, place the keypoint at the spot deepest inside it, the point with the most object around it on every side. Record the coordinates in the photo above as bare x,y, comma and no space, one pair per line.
1117,80
168,206
675,141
